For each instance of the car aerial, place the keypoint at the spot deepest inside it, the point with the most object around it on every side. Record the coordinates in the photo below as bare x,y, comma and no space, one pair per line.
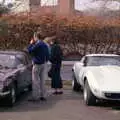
98,76
15,74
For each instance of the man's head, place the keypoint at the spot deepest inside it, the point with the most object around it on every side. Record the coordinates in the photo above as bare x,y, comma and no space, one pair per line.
37,36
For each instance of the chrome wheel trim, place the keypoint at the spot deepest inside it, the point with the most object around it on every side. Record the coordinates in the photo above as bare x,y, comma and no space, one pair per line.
85,94
13,96
73,83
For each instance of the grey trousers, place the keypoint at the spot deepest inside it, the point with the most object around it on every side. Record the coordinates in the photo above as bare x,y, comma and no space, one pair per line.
38,81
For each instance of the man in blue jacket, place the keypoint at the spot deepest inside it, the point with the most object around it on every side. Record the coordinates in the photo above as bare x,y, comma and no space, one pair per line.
40,55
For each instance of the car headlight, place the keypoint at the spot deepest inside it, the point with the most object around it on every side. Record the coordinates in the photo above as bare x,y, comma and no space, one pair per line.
6,85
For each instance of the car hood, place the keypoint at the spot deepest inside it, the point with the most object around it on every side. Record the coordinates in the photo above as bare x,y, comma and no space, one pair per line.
4,73
107,77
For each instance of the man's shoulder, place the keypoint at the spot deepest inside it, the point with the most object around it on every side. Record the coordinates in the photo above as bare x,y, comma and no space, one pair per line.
41,43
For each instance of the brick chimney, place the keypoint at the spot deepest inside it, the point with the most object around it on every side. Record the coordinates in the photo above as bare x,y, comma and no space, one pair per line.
66,6
34,4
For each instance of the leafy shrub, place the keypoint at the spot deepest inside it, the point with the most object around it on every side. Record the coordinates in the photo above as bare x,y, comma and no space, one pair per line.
76,34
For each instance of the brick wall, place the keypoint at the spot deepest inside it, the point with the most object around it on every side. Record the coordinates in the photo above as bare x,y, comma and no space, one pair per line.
66,6
34,2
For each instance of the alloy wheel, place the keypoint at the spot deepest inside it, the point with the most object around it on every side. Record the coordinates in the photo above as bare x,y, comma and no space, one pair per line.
13,95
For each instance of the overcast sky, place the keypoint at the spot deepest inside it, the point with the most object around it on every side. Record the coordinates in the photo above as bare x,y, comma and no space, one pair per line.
85,4
81,4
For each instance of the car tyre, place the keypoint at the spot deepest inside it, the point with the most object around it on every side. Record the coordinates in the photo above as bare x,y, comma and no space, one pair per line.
75,86
89,98
12,97
30,87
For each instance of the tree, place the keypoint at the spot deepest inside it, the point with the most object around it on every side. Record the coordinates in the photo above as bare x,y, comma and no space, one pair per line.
105,3
105,10
3,8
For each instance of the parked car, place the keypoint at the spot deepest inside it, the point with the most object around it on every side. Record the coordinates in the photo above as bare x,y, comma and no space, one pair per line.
15,74
98,75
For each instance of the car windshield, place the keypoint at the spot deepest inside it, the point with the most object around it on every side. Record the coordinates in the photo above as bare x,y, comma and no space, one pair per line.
103,60
7,60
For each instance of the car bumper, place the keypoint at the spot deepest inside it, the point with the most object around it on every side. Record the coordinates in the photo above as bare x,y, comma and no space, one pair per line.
107,95
111,96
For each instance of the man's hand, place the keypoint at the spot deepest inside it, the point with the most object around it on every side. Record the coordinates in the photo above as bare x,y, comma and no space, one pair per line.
32,41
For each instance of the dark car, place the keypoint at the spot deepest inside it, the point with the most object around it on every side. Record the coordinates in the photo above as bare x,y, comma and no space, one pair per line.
15,74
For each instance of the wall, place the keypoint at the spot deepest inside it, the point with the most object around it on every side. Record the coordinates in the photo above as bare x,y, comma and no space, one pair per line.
64,7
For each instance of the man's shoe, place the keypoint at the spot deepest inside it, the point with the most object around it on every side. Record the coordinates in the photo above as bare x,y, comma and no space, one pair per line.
43,99
60,92
54,93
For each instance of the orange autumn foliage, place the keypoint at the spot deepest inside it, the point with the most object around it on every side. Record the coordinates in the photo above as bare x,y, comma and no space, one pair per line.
79,35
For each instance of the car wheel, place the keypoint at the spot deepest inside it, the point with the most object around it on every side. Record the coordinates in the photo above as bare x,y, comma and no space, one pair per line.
12,98
75,85
89,98
30,87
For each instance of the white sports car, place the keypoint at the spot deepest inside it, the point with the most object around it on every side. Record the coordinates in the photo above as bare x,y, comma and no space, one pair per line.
99,77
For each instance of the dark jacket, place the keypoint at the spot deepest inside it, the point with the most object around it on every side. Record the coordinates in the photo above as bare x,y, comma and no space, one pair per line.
39,52
56,59
56,54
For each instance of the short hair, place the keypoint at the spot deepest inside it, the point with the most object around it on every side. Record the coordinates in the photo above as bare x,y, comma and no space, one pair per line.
38,35
56,41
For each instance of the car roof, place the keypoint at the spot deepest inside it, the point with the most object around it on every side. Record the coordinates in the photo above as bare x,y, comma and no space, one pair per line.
13,52
101,55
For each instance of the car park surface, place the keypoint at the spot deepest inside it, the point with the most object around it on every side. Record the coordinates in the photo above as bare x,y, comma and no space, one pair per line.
69,106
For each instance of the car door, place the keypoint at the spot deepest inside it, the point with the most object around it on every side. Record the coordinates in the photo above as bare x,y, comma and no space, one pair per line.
78,67
28,79
21,68
82,70
26,71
